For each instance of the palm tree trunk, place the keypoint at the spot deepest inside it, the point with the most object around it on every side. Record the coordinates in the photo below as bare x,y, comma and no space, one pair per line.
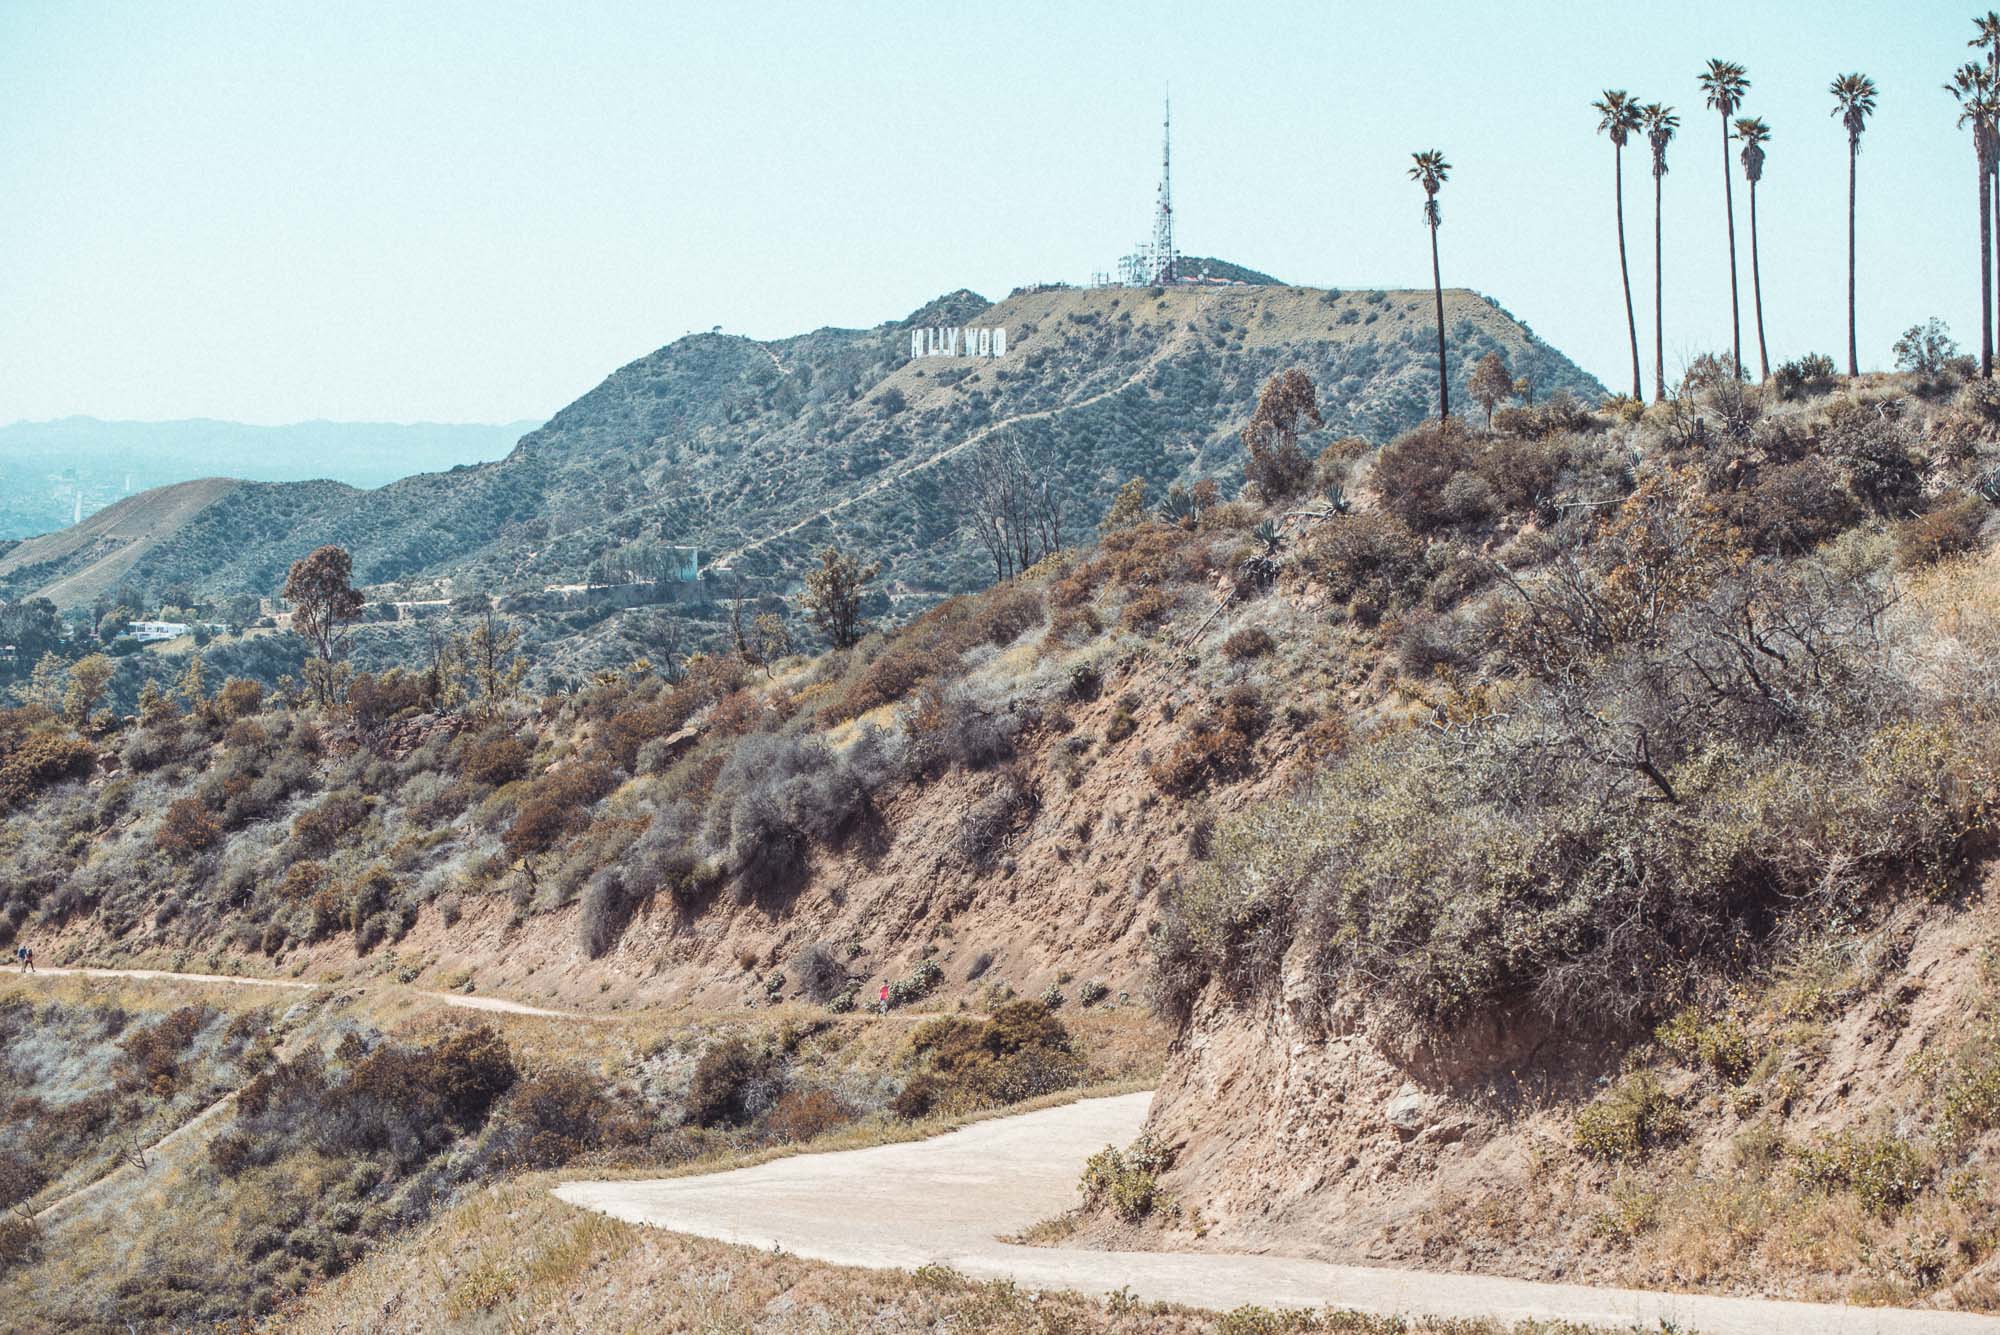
1985,277
1735,303
1659,322
1437,287
1757,288
1853,153
1625,273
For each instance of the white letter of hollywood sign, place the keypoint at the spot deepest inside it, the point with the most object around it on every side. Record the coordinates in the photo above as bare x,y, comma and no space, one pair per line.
958,342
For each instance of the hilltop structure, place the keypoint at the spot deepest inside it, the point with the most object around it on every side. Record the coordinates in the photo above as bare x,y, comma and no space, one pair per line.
1159,262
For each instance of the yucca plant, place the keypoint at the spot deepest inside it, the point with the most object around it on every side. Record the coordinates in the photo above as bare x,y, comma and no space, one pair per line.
1179,507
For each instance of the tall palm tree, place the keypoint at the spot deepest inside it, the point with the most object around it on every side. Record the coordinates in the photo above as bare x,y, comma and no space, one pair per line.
1618,116
1753,134
1724,83
1659,123
1431,171
1988,37
1854,103
1973,88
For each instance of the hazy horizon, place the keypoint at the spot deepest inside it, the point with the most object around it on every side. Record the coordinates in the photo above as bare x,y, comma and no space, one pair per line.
278,214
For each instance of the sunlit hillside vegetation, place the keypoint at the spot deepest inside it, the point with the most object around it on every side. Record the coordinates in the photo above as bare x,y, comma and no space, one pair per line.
1591,715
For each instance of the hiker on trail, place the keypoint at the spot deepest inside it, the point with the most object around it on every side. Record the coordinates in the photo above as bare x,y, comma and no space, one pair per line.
884,999
27,959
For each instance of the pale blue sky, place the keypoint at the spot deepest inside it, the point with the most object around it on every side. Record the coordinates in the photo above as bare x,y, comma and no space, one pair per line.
473,211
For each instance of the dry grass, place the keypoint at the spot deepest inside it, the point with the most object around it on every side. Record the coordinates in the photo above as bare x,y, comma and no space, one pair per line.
515,1258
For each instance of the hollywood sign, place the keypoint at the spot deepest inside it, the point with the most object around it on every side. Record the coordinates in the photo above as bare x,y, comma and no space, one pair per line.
958,342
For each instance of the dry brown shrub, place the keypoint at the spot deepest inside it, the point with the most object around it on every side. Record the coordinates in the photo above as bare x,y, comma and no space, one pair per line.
187,828
802,1114
1220,747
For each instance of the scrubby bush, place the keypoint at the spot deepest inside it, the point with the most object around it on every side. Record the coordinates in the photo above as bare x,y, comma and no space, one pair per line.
1718,1044
917,984
1804,377
818,973
1791,507
606,908
40,761
1220,746
732,1084
1950,529
1925,348
557,805
1248,643
802,1114
1630,1121
1127,1182
187,827
557,1115
494,760
1372,562
950,728
1426,480
983,829
1022,1051
1445,873
1885,1173
775,797
320,829
1872,451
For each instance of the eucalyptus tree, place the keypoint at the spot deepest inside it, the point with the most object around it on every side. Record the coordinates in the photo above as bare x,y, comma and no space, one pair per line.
1753,134
1430,170
1618,116
1659,122
1973,87
1723,84
1854,103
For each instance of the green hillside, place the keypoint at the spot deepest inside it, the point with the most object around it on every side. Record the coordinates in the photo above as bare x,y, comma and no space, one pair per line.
759,453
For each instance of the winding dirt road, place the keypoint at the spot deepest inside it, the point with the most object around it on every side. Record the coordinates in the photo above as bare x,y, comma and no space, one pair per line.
946,1201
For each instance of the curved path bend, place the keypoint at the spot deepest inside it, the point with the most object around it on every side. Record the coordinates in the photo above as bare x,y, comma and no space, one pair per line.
947,1200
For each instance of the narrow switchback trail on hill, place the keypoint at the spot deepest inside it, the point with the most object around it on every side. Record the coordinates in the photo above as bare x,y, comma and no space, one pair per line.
462,1000
947,1201
916,466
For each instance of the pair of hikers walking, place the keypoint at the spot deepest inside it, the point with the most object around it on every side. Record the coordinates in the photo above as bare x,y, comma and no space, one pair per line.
25,957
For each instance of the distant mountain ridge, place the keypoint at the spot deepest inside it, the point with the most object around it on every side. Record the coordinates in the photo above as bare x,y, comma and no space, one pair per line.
48,467
760,452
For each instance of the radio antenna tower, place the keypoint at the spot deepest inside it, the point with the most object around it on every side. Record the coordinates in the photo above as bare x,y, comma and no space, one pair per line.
1166,263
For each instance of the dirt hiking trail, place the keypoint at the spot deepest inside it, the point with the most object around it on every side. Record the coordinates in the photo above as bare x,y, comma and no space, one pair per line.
946,1201
460,999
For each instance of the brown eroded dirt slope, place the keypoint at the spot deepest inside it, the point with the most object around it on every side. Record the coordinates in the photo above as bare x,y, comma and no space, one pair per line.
75,564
